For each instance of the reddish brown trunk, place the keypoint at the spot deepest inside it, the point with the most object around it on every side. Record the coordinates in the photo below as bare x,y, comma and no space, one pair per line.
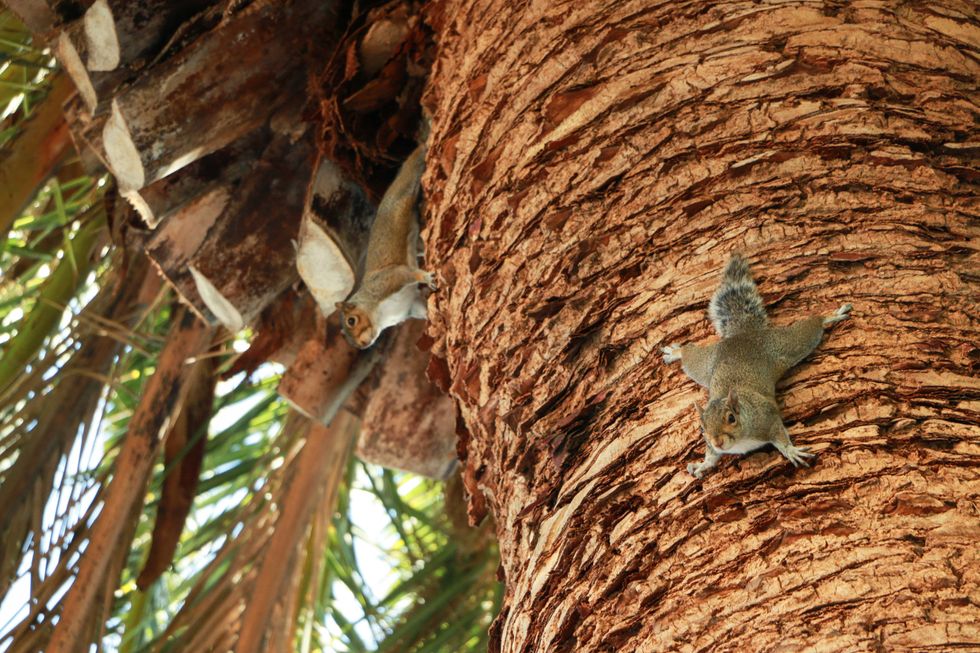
590,169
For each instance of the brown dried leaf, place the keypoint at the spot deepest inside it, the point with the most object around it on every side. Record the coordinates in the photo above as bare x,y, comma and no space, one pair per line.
370,93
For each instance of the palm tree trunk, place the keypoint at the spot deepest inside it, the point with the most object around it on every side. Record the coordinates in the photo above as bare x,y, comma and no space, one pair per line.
591,167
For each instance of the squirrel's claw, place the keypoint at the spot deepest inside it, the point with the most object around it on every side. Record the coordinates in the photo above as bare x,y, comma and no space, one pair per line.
672,353
796,455
428,279
841,313
697,470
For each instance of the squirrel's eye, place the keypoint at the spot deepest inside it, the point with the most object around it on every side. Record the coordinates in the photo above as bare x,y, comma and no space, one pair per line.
351,321
731,418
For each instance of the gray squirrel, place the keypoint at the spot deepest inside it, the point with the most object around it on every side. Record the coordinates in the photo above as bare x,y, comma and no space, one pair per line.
389,293
741,370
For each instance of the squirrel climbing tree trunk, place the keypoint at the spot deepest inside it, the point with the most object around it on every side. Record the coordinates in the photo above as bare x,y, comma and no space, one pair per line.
591,167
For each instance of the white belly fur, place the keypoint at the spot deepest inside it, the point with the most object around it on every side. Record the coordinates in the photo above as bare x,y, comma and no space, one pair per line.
396,308
744,446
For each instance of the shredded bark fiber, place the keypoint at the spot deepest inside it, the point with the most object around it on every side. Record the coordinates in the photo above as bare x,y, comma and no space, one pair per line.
591,167
369,93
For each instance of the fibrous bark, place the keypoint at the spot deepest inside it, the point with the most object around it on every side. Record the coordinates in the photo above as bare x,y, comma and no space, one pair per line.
229,252
333,235
408,423
369,94
186,106
590,169
112,35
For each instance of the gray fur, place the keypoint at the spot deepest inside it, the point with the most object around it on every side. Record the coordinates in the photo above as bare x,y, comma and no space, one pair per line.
741,370
737,304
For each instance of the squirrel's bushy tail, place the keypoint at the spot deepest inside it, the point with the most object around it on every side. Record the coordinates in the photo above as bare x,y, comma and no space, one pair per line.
737,303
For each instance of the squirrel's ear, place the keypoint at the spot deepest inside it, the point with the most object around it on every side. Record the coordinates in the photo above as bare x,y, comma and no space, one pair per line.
732,400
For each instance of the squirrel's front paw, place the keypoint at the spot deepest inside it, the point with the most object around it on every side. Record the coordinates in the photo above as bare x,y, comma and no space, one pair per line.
429,279
696,470
672,353
841,313
796,455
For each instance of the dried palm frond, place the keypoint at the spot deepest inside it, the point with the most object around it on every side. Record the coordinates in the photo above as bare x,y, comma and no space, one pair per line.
148,503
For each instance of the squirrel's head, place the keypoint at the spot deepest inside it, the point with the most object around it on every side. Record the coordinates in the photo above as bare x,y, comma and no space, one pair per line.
356,325
721,423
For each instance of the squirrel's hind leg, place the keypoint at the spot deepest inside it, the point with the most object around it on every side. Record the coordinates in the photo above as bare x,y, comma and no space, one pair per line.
696,360
788,345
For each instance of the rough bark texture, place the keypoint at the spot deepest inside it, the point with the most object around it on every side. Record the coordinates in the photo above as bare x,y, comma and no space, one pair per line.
408,423
591,166
232,266
186,106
